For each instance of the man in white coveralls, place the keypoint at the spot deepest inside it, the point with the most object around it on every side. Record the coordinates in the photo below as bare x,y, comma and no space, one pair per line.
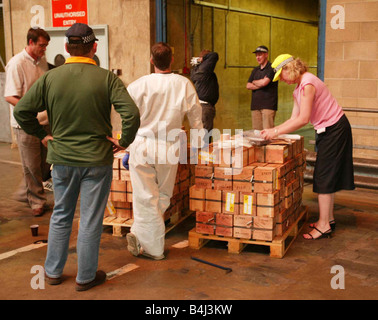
163,99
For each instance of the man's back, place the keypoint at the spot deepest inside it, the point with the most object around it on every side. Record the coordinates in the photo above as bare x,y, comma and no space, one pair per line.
78,97
165,97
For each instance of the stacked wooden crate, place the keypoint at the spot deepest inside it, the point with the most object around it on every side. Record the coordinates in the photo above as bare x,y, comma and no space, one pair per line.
256,195
121,192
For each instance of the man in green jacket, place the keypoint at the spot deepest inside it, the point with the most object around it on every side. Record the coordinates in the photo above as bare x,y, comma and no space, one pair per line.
78,97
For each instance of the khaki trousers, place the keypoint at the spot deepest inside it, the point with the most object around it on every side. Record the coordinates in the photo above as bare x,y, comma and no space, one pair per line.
33,158
263,119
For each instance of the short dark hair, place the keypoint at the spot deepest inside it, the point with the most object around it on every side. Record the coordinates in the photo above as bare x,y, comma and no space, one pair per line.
36,32
161,55
79,49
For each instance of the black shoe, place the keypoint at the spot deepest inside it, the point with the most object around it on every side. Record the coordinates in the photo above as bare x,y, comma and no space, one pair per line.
332,224
326,234
99,279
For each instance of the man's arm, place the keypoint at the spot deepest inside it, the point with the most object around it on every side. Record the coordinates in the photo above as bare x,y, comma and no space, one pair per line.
129,112
13,100
26,110
209,62
258,84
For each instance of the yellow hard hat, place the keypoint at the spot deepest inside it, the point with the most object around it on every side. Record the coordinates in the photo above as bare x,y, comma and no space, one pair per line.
281,61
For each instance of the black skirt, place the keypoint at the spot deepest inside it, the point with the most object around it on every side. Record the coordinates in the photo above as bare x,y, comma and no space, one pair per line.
334,160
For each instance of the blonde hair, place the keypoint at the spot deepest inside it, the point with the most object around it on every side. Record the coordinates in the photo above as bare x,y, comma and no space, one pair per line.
295,69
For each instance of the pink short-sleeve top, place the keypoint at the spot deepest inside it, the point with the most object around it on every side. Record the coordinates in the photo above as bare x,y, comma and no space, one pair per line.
325,109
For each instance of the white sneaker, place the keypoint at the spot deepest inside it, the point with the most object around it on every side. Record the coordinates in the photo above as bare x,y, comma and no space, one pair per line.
133,244
135,249
145,254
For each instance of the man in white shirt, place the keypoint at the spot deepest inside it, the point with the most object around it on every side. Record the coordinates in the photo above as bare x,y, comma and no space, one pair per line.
163,99
22,71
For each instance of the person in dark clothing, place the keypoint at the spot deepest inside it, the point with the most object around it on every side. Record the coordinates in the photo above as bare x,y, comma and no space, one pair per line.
206,84
264,92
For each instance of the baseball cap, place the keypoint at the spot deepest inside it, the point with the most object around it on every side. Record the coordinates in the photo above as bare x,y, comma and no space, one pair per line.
80,30
261,49
278,63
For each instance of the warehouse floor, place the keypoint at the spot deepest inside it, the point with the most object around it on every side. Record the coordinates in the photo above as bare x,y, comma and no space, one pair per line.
307,271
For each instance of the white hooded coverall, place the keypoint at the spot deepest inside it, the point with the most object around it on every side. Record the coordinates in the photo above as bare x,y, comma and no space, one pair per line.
163,100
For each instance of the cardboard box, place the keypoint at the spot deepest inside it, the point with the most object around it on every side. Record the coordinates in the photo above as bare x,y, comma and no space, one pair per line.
283,142
260,154
118,190
223,178
206,156
124,174
205,228
129,191
224,219
251,155
266,173
268,211
224,231
268,199
223,154
263,228
243,220
240,157
197,198
205,217
213,201
204,176
276,153
264,235
230,202
288,201
116,169
265,179
247,203
263,223
123,210
242,233
244,180
184,185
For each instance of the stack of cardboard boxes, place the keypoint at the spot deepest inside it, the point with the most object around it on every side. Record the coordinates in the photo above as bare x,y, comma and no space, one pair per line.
251,192
121,192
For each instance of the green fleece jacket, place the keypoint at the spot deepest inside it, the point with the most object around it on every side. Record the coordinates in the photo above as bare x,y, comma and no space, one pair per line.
78,97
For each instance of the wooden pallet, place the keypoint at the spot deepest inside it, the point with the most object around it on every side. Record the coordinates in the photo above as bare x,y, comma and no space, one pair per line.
119,224
278,247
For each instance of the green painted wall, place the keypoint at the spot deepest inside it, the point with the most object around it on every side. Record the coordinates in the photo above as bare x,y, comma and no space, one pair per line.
234,28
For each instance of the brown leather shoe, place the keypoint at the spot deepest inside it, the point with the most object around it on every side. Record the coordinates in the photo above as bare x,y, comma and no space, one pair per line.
38,212
53,281
99,279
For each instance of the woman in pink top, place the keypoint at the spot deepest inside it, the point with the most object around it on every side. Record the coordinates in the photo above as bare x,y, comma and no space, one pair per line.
314,103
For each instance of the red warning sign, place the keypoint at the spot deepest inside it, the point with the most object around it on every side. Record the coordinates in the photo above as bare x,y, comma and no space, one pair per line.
67,12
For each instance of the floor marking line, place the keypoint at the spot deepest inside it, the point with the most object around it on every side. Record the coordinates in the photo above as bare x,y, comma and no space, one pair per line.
119,272
181,244
22,249
11,162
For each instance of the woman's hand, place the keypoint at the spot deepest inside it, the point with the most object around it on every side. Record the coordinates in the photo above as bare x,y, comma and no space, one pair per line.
269,134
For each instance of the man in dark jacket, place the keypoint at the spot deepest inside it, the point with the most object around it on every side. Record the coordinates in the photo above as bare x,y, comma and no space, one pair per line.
264,91
206,84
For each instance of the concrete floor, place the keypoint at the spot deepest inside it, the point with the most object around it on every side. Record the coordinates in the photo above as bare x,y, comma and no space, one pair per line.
303,273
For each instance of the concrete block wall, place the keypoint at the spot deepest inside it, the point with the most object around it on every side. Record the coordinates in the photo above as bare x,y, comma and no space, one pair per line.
129,33
351,68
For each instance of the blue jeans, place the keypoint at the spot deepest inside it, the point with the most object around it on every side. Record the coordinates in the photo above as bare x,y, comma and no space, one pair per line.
93,185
